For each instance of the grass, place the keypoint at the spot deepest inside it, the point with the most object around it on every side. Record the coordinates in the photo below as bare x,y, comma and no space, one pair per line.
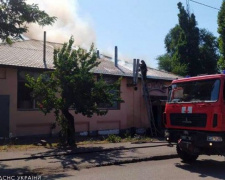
53,143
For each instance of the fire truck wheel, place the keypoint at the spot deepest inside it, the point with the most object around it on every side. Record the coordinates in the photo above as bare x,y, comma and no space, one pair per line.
185,156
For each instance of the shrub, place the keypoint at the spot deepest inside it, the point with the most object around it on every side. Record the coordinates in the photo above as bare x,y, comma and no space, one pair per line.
113,138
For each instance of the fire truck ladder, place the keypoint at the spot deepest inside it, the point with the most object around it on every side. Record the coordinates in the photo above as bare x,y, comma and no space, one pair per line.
148,104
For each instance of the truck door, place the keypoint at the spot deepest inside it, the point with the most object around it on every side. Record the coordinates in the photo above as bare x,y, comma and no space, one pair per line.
223,106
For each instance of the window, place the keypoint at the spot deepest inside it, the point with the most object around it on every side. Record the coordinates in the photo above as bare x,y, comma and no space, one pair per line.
24,99
196,91
115,105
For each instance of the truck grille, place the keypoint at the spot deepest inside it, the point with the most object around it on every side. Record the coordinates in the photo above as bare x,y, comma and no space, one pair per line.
188,120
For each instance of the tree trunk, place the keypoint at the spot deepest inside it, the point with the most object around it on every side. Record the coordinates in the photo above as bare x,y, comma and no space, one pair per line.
70,127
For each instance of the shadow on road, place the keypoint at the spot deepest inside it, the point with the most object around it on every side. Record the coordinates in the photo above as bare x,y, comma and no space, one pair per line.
84,156
25,171
55,166
205,168
6,170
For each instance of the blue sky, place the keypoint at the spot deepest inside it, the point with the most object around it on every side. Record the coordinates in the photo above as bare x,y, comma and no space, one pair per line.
138,27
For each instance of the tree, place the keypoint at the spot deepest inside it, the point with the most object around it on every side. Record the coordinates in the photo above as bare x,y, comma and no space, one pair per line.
72,85
165,62
171,40
169,61
190,50
209,54
187,50
15,14
221,31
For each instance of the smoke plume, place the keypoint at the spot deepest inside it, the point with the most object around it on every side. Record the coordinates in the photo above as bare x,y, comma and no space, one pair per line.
68,23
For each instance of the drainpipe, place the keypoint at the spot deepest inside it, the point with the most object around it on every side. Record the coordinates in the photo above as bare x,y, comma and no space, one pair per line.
98,54
116,56
44,49
134,71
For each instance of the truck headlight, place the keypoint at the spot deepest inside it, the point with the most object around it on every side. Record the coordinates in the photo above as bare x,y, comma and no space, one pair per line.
214,138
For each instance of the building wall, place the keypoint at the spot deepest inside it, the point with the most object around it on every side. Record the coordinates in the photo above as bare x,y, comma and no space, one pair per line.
23,123
132,112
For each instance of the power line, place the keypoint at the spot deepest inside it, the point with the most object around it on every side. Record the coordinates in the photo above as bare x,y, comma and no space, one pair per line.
204,5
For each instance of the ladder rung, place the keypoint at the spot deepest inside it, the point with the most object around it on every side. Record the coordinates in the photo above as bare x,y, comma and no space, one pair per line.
149,108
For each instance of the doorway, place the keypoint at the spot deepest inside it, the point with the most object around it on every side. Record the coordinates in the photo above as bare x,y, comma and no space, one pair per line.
4,116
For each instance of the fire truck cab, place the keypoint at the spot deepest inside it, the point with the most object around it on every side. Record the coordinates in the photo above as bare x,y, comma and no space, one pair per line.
194,116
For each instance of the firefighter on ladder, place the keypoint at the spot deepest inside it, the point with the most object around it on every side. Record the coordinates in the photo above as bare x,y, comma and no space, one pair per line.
143,69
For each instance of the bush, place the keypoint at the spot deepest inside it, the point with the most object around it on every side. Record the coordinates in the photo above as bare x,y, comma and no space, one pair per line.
113,138
127,136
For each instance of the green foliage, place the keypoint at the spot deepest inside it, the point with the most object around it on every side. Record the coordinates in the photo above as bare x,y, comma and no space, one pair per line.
187,47
15,14
171,40
221,63
72,85
165,62
114,138
221,31
190,50
209,54
180,69
128,136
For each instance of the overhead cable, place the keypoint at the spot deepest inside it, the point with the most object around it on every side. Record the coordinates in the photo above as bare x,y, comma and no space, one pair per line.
204,5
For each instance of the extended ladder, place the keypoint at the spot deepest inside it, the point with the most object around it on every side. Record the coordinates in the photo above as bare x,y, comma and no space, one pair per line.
146,95
148,104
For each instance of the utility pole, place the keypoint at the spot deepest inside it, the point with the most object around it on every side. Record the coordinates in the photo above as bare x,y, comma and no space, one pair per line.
188,7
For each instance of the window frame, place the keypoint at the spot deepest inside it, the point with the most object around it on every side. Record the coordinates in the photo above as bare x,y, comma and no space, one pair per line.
115,78
206,101
26,71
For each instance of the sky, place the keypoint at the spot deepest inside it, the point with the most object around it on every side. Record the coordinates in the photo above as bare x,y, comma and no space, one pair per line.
137,27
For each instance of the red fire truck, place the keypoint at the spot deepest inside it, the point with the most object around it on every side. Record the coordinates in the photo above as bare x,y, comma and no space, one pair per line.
195,116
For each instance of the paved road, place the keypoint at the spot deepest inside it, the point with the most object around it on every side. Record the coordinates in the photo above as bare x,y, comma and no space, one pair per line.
207,168
52,164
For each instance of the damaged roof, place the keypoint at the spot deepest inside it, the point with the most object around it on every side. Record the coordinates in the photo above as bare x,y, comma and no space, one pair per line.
29,54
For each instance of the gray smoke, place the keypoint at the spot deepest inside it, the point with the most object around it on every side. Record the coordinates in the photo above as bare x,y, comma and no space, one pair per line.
68,23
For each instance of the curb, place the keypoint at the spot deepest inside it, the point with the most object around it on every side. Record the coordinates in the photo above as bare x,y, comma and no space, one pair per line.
152,158
153,142
81,152
112,163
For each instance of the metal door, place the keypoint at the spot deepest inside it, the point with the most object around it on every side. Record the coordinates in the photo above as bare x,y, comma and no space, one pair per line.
4,116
